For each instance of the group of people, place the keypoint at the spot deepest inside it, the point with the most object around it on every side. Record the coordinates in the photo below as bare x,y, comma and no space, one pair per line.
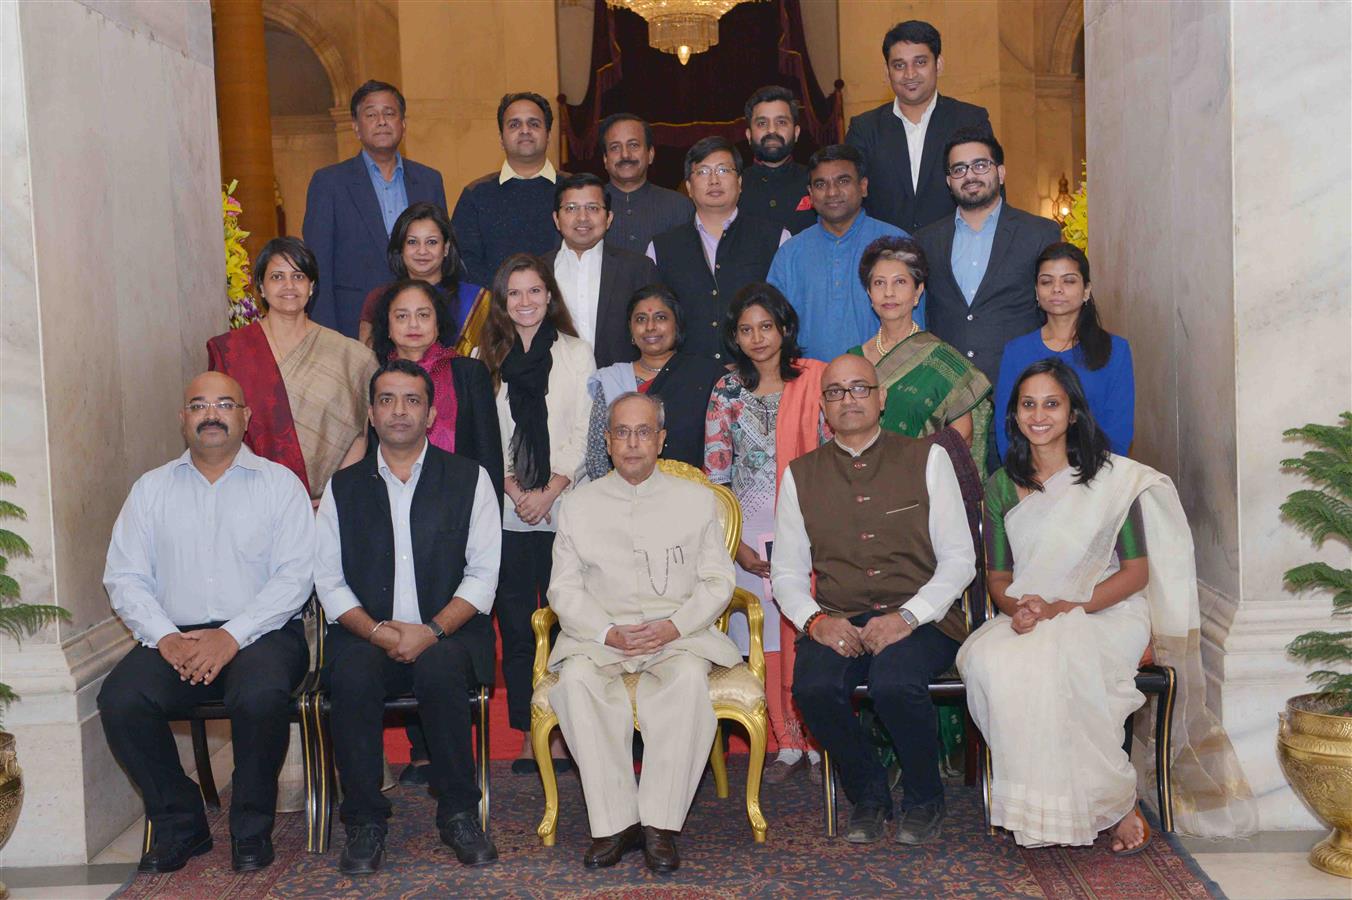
474,405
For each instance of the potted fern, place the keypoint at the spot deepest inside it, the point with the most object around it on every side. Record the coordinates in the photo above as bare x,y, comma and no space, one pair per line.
18,620
1314,739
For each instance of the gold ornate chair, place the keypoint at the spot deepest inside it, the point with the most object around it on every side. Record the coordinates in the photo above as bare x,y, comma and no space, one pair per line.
738,693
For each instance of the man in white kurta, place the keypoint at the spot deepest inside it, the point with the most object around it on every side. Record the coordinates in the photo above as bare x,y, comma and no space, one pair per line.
641,573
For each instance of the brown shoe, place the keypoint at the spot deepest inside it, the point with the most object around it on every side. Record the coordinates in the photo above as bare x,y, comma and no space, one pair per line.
779,771
659,850
607,851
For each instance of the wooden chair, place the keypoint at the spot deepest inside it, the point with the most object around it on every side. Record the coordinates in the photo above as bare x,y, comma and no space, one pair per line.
738,693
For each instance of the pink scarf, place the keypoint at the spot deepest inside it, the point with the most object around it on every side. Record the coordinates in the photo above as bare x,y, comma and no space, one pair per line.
437,363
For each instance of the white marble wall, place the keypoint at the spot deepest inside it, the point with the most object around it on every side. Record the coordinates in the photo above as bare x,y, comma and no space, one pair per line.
1220,199
113,274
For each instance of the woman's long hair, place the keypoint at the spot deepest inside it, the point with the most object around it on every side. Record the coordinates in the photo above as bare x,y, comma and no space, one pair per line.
1086,444
499,331
381,342
1095,345
768,298
417,212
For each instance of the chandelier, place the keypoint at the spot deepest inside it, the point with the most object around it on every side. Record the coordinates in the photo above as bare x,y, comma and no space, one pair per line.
680,27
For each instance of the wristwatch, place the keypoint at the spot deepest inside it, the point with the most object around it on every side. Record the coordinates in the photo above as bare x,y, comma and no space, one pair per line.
437,631
909,618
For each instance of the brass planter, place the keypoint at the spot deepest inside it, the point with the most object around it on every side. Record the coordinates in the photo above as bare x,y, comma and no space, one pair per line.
1315,750
11,792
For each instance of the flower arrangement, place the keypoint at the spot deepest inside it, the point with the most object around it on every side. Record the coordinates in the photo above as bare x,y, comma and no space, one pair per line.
1076,228
238,276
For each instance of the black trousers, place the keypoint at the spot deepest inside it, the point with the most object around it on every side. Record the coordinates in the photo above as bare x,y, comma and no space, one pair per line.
898,684
360,677
143,694
523,583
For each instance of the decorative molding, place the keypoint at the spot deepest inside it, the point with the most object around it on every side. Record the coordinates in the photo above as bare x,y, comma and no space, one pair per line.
293,17
1067,34
1059,87
315,123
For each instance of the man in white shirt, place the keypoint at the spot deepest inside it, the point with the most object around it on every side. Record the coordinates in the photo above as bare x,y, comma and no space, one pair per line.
597,279
407,564
210,562
879,518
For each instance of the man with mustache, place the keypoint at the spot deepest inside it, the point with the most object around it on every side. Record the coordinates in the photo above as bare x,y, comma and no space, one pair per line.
210,562
901,140
642,209
509,211
982,289
351,207
774,188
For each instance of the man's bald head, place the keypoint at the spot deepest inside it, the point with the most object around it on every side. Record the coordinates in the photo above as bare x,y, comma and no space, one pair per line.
213,386
850,415
214,417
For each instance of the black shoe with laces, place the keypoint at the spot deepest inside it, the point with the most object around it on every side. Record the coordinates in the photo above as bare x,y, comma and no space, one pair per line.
251,854
921,824
365,850
461,832
868,823
172,853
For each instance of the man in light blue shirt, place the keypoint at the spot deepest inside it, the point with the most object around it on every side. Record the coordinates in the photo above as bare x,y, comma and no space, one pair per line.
818,269
211,560
972,247
390,192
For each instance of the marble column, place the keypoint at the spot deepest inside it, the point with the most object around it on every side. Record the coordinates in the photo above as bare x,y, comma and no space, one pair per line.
113,274
245,123
1219,202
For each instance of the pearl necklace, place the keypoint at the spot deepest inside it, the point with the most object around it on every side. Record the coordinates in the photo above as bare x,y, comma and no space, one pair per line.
878,341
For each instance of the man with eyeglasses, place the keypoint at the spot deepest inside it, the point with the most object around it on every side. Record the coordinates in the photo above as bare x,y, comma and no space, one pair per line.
879,519
211,560
596,278
709,259
641,573
982,289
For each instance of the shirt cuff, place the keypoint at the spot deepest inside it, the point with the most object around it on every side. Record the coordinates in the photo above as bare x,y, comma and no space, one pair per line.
241,629
476,594
921,608
605,633
339,602
157,632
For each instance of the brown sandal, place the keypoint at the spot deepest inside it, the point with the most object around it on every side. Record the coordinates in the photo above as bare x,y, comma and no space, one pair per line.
1145,837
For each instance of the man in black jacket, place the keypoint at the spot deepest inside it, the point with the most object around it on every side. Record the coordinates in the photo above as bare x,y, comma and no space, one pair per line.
902,141
774,187
408,567
708,260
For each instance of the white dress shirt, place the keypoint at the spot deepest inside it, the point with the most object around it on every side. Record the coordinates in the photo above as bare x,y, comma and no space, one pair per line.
483,549
579,280
915,136
185,551
791,567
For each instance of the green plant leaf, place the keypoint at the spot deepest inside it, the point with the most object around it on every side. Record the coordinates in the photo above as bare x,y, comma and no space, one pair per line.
9,588
11,511
6,479
13,545
22,619
1319,515
1322,576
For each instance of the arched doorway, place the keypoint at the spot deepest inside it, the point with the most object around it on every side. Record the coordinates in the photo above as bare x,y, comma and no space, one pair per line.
301,100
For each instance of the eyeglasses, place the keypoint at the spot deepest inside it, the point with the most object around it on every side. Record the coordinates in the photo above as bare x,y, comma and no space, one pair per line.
197,407
644,433
857,391
706,171
574,208
978,166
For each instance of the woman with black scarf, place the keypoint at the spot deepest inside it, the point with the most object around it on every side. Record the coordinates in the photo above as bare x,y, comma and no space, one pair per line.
540,369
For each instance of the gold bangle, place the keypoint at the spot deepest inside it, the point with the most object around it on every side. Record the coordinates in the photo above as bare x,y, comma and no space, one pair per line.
372,634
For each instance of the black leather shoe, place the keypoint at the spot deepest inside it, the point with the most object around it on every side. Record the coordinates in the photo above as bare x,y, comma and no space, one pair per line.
607,851
461,832
415,774
659,850
921,824
365,850
172,854
867,824
251,854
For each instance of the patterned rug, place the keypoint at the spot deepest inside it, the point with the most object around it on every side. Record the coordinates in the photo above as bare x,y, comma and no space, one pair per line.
719,858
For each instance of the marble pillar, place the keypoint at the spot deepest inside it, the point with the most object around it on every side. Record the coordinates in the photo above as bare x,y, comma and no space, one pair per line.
113,272
1219,202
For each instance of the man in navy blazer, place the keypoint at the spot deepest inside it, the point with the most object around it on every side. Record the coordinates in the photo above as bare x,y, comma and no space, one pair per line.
351,207
903,141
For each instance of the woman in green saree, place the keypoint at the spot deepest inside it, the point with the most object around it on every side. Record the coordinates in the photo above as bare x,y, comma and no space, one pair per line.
930,386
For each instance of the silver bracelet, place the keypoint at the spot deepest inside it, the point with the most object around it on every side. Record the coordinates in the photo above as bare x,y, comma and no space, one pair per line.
372,635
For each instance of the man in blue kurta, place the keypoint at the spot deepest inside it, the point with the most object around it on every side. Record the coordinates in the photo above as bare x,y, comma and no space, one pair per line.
818,269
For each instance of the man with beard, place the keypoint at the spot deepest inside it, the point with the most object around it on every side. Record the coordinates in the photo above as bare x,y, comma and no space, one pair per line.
210,562
775,187
510,210
982,286
901,141
818,270
642,209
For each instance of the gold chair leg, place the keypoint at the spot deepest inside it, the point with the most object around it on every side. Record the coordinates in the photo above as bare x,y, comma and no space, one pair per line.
719,764
829,794
481,702
986,786
757,728
147,835
540,730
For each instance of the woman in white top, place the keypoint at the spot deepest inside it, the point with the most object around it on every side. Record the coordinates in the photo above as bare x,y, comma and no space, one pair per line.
540,369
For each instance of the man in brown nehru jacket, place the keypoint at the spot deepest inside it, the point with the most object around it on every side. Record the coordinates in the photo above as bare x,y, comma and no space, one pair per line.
879,518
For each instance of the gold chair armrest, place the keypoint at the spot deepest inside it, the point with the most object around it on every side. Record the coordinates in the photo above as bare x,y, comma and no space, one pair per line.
541,621
750,604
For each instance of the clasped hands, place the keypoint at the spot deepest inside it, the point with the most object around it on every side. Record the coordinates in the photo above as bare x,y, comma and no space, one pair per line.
642,639
403,641
198,656
1032,609
533,506
847,639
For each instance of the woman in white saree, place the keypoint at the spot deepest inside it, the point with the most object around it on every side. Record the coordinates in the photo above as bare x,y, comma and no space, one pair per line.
1090,562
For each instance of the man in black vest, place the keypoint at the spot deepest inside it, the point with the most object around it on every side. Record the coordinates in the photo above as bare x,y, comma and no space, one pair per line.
774,188
709,259
407,564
